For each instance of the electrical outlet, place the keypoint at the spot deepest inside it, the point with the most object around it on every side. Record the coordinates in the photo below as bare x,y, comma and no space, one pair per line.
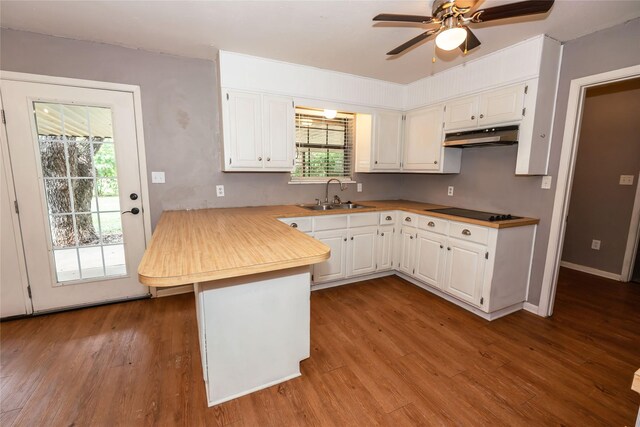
595,244
546,182
359,187
220,190
450,191
626,179
157,177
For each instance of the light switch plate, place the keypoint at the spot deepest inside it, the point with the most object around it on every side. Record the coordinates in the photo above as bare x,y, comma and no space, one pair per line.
626,179
546,182
157,177
450,190
595,244
220,190
359,187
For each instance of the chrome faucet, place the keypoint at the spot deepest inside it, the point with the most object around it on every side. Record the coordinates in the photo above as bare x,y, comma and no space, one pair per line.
326,194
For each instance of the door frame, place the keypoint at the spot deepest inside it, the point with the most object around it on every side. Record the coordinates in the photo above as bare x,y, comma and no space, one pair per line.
566,169
634,237
134,90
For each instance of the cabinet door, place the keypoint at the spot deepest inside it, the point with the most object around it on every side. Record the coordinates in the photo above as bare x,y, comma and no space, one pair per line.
335,267
385,248
430,258
501,106
407,250
462,113
465,270
278,125
242,127
423,139
362,250
387,141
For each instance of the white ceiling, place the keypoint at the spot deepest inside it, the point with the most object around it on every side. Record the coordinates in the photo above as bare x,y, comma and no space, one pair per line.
337,35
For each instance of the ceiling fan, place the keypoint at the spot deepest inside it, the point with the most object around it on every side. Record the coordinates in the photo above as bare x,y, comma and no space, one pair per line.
453,20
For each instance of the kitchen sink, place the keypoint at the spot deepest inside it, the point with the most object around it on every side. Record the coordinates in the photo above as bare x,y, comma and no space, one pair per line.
332,207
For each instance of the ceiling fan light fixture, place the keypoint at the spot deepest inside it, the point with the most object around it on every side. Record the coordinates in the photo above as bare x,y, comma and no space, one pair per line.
451,38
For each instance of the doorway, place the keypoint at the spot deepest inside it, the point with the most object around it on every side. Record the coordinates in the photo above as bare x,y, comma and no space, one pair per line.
75,160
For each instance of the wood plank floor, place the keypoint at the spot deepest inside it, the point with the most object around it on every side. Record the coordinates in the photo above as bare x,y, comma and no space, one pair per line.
383,353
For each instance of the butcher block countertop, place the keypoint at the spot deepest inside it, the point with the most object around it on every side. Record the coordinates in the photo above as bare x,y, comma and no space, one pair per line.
210,244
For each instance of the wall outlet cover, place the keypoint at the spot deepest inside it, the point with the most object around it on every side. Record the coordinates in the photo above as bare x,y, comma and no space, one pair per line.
626,179
595,244
220,190
450,190
359,187
546,182
157,178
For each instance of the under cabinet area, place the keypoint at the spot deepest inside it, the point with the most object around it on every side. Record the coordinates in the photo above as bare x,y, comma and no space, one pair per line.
258,132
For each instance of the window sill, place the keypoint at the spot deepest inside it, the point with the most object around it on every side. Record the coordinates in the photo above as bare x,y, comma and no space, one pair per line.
323,182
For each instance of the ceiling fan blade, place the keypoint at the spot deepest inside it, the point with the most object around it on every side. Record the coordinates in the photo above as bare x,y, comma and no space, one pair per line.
512,10
403,18
471,42
411,42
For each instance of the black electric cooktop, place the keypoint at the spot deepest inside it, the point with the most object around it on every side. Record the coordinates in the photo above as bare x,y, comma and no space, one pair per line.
468,213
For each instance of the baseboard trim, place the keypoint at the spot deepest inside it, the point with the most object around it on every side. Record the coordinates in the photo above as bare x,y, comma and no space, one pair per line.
590,270
175,290
531,308
341,282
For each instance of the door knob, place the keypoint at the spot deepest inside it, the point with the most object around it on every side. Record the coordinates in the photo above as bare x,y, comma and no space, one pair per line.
134,211
133,196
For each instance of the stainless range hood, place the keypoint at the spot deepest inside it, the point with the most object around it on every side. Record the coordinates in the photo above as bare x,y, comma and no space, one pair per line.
505,135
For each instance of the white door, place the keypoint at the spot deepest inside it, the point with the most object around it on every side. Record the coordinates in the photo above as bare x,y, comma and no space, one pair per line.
430,258
423,139
407,250
74,155
501,106
462,114
335,267
242,127
13,276
387,141
278,119
385,248
362,250
465,270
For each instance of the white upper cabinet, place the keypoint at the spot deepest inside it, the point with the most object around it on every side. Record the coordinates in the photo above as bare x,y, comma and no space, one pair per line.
462,113
423,139
501,106
387,141
258,132
495,107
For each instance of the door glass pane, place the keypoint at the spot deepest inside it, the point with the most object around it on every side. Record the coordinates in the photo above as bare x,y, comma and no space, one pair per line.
77,152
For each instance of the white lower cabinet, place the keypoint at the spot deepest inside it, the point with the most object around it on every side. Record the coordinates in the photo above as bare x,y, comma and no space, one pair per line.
407,244
361,250
430,258
336,266
465,265
385,247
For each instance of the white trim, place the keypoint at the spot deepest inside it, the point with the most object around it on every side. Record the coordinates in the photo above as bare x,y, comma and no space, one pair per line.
634,236
252,390
333,284
565,177
591,270
173,290
531,308
137,106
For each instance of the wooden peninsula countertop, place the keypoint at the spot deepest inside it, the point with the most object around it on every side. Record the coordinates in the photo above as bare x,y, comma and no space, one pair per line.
210,244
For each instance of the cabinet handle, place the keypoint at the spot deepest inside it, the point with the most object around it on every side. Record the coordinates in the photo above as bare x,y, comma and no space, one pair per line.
376,162
388,218
268,159
382,234
345,239
411,237
352,238
408,219
473,117
466,232
435,162
441,247
448,248
294,225
259,159
482,116
431,224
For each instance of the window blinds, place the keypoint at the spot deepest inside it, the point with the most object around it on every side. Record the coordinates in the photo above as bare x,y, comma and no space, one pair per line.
324,146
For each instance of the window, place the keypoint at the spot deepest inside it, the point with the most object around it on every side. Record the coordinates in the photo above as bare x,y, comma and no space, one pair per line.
323,146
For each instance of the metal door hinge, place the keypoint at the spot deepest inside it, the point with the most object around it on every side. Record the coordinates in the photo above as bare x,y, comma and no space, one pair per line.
293,104
524,111
376,265
486,255
227,97
229,160
15,205
481,301
526,89
414,271
4,118
312,277
445,108
29,291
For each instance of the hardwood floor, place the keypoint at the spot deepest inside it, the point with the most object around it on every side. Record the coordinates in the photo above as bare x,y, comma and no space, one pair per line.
383,353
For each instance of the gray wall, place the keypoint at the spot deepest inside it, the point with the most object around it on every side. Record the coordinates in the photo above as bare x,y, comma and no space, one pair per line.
181,122
600,207
487,180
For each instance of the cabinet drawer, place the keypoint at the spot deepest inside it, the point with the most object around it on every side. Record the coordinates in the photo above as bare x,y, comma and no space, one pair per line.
408,219
471,233
329,222
302,224
435,225
363,219
387,218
